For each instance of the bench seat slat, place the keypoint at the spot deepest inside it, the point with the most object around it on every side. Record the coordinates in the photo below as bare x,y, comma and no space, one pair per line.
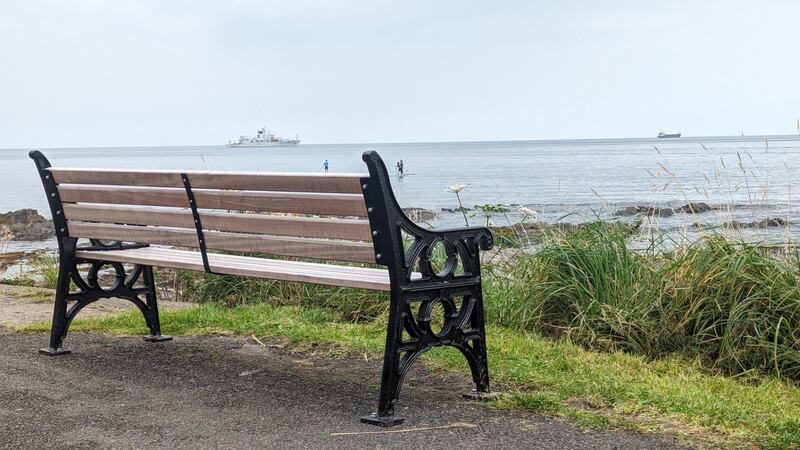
284,246
327,274
254,181
292,202
258,261
222,221
251,262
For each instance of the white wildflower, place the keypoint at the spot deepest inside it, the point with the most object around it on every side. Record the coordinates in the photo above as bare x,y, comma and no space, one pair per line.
456,188
527,212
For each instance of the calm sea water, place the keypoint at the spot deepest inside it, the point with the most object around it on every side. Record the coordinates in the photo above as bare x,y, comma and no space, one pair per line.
748,178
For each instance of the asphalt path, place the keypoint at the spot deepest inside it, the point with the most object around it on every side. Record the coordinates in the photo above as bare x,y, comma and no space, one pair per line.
224,392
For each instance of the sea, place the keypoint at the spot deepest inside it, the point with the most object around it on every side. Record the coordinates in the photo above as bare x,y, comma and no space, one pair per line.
743,179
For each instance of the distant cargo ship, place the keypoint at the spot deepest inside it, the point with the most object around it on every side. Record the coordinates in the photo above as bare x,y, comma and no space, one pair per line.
669,135
263,138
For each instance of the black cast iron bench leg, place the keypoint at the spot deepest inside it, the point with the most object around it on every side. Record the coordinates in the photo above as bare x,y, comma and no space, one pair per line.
89,291
151,316
463,329
58,331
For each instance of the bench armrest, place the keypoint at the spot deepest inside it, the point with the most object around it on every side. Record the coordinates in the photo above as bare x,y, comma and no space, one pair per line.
392,229
461,247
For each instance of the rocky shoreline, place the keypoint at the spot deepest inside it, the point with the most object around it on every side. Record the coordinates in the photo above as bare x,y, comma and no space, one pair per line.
25,225
28,225
652,211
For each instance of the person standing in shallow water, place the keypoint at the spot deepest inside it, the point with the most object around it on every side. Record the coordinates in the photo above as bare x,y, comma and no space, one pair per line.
325,165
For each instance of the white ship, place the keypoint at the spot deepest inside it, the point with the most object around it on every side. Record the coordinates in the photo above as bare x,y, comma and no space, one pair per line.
264,138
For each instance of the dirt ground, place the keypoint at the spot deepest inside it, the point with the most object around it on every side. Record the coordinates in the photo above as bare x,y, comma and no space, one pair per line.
21,305
223,392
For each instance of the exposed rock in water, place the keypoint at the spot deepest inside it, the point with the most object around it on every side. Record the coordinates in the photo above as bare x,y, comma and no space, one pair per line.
775,222
769,222
25,225
455,210
419,214
695,208
652,211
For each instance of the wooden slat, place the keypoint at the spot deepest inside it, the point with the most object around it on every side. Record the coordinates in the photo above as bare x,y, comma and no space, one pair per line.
169,253
288,226
220,221
304,248
168,236
366,278
180,218
300,203
254,181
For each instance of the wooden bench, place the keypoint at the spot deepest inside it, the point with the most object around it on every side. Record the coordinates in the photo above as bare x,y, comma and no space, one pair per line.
107,218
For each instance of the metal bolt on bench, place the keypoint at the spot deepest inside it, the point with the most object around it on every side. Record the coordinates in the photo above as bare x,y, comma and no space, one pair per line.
121,212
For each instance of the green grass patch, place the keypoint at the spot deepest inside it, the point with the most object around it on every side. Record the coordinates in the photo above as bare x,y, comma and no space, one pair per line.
540,374
732,306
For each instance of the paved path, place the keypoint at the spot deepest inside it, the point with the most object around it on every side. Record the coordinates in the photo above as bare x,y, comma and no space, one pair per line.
220,392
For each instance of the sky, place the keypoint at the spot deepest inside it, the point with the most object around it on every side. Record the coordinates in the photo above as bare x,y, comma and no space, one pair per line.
172,72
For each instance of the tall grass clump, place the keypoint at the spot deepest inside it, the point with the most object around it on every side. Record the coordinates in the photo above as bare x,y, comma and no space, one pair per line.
588,286
734,307
738,304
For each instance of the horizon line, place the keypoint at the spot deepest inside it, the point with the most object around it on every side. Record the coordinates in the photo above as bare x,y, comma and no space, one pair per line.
753,137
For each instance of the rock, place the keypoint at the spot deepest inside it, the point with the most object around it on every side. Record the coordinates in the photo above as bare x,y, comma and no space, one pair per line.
23,216
769,222
628,211
695,208
419,214
651,211
455,210
773,222
25,225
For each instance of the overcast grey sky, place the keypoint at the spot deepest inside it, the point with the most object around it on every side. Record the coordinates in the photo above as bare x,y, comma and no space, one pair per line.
160,72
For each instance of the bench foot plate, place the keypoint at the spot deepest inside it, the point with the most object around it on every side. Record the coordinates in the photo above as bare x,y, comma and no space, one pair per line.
158,338
382,421
480,396
54,351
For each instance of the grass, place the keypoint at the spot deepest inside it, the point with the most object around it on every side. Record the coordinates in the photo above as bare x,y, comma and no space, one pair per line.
540,374
43,272
734,307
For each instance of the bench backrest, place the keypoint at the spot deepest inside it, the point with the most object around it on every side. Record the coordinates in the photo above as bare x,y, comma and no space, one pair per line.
306,215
